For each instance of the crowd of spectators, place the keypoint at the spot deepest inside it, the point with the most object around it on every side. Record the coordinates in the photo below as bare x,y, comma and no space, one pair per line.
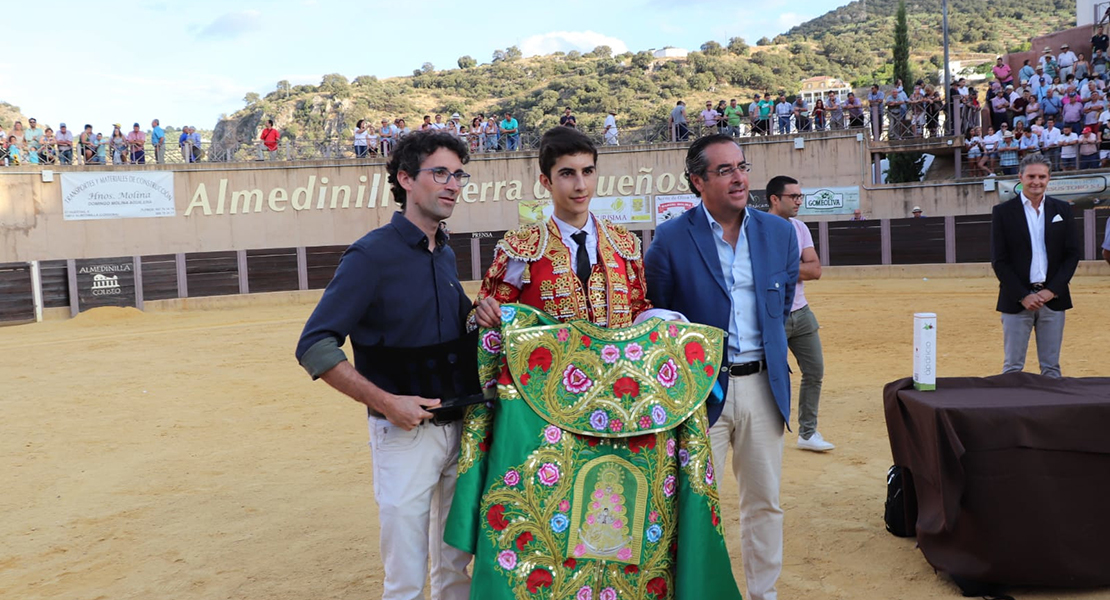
482,134
35,144
1057,107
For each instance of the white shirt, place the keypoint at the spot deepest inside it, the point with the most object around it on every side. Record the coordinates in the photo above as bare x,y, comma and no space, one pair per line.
1069,151
514,271
745,339
1066,59
1050,137
610,127
1034,219
439,125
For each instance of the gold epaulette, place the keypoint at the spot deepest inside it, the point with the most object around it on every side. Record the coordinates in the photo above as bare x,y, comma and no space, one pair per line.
526,243
624,241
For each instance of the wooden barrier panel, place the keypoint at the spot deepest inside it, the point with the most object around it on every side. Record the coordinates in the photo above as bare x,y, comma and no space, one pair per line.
1102,221
322,262
271,270
159,277
460,245
55,284
212,273
856,243
17,302
917,241
973,238
815,233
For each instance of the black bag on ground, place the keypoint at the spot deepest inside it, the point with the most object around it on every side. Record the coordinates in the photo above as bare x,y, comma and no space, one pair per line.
895,513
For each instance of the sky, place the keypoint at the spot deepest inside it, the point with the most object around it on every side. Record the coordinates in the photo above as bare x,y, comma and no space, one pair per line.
188,62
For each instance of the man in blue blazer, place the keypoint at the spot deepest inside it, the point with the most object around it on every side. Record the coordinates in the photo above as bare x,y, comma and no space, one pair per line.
733,268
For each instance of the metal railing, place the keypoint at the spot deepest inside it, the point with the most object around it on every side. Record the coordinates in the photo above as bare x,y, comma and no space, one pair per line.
874,120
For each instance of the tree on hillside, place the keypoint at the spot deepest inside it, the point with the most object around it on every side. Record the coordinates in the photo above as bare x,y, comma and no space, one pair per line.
251,98
601,52
763,41
335,83
904,166
712,48
498,56
902,46
513,53
738,46
428,67
283,88
466,62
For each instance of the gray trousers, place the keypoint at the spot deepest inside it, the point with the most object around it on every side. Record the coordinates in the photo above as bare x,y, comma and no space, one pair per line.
1049,325
805,342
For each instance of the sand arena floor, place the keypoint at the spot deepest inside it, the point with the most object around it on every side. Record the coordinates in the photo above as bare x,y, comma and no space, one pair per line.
185,455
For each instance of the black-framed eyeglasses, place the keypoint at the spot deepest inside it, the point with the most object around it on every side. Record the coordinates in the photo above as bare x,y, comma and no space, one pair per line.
443,175
793,197
743,167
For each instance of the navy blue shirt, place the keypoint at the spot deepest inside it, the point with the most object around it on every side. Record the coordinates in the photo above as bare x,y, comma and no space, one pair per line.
389,290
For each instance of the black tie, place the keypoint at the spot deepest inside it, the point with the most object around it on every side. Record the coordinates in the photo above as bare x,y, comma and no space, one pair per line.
582,259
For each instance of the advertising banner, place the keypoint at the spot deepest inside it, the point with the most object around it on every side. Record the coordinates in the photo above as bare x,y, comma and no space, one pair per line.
105,282
829,201
89,196
669,207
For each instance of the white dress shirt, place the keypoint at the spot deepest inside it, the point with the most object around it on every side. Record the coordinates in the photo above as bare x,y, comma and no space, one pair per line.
1034,219
514,271
745,338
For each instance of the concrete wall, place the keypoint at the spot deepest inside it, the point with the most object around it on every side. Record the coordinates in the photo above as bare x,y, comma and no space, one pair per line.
286,208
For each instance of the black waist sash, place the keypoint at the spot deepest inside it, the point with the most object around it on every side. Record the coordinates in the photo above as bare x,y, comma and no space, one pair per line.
447,371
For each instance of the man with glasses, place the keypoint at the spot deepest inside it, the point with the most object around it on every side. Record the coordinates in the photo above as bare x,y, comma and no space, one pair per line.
736,269
802,336
406,318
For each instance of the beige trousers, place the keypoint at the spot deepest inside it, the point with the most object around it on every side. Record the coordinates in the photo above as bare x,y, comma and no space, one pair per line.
414,482
752,424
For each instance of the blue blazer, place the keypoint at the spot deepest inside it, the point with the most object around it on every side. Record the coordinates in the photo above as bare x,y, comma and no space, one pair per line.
683,273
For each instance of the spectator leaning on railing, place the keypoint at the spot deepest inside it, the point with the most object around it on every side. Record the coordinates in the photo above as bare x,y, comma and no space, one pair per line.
158,141
64,140
136,143
269,137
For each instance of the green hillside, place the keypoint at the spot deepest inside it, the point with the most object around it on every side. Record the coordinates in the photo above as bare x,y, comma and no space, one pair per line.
848,43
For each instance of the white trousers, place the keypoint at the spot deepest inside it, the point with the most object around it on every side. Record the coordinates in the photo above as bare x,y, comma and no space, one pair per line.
414,482
752,424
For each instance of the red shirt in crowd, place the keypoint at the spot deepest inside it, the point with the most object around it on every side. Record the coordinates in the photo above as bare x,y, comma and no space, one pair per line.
270,137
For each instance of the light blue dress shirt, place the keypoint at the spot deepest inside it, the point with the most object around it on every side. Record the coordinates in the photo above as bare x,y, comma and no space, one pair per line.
745,339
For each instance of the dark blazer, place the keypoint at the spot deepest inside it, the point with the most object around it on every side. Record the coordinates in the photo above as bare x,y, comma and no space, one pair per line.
683,273
1012,252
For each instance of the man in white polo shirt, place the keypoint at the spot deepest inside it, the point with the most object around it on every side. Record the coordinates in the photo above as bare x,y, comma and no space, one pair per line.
802,336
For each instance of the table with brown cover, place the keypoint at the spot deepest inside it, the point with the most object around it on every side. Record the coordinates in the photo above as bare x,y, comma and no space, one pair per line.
1010,476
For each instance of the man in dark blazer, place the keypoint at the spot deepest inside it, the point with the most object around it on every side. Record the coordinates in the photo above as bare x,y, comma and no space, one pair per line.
1034,252
725,265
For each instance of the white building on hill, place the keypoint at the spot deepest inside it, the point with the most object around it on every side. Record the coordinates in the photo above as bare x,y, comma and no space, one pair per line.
670,52
819,87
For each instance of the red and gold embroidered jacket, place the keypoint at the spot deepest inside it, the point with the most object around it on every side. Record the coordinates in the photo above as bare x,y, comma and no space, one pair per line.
616,292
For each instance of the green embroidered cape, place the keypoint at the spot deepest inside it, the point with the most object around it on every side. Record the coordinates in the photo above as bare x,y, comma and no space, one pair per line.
591,478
